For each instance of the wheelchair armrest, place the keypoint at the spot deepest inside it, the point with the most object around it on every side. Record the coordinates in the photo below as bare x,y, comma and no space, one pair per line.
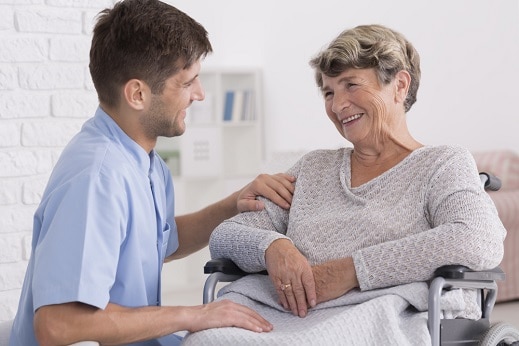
221,270
460,272
223,265
226,266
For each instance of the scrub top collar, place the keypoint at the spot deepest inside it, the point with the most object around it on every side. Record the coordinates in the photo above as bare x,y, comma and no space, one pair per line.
134,152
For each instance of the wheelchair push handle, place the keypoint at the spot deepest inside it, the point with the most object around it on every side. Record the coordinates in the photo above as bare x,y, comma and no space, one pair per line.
490,182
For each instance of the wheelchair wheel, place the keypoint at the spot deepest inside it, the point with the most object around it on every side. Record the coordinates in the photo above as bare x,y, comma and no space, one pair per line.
500,334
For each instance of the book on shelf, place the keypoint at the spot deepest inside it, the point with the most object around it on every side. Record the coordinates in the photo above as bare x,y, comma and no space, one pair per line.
229,100
239,106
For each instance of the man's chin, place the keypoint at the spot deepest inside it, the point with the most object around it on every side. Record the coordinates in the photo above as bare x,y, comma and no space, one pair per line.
173,131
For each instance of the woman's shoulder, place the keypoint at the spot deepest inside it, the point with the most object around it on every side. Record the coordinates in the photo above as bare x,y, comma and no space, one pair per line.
440,153
436,161
320,160
327,154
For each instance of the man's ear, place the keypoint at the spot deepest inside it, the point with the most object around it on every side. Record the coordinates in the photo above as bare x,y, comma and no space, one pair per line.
136,94
402,83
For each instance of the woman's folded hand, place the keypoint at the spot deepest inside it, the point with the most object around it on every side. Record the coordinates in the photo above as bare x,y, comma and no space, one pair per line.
292,276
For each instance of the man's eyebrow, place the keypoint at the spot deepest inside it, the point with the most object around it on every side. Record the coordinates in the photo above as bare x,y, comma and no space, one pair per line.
191,80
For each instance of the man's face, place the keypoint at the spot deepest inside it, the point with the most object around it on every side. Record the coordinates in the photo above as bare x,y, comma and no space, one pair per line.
167,112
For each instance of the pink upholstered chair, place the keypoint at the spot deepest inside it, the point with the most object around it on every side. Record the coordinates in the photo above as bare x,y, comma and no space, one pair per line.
505,165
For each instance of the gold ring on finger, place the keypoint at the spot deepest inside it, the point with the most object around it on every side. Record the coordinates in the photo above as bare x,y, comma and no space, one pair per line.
285,286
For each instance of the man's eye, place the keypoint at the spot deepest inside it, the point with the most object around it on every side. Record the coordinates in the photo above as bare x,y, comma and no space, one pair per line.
327,94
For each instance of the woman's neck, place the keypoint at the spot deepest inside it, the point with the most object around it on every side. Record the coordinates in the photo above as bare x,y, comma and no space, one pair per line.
368,163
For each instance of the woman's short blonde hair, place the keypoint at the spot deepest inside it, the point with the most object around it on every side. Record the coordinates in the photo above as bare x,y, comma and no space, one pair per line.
370,46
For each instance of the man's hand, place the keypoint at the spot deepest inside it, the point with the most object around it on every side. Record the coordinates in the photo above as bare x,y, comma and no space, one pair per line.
225,313
278,188
292,276
64,324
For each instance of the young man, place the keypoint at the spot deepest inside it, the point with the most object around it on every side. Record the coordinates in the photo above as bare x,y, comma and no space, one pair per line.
106,220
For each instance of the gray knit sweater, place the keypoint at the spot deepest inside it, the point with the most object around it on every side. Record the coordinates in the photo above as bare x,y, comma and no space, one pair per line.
427,211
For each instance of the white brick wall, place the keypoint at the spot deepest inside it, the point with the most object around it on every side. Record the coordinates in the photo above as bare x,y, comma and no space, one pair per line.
45,96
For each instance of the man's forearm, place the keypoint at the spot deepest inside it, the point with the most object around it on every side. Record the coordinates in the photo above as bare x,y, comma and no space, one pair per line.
194,229
73,322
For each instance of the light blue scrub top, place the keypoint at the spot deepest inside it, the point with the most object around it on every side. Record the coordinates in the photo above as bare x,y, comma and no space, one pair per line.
102,230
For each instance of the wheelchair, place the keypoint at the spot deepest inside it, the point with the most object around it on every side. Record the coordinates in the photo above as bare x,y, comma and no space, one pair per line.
442,331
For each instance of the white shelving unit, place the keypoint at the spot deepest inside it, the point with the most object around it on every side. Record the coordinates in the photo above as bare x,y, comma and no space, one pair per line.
212,159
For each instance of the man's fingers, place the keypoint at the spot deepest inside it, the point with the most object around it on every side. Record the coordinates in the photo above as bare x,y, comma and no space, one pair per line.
278,188
252,320
285,190
281,188
229,314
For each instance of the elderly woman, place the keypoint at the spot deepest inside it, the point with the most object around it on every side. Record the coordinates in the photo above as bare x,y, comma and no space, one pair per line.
368,224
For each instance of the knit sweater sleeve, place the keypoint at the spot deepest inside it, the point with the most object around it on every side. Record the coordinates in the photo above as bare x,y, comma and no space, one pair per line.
245,237
465,229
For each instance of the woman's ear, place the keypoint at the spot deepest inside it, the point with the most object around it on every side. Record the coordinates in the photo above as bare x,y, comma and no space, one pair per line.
402,83
136,94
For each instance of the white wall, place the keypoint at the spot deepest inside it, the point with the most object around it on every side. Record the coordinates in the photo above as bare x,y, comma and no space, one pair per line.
45,96
469,49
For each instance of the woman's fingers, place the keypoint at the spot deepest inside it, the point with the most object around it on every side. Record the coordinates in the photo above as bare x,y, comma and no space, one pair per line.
296,299
299,294
309,287
291,275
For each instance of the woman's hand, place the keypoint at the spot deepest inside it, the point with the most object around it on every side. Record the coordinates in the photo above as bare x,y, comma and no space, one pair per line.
292,276
278,188
334,278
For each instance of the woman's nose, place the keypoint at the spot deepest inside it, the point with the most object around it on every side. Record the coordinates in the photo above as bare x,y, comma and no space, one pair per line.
339,103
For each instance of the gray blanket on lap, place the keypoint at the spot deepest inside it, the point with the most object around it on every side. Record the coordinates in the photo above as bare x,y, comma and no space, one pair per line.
390,316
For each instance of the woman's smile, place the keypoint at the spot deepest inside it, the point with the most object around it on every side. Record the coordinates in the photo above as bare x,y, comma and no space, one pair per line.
351,118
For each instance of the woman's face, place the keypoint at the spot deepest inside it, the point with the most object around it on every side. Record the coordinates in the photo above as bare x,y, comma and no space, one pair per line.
356,102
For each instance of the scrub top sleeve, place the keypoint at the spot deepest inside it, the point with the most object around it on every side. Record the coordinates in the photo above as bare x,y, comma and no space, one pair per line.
79,243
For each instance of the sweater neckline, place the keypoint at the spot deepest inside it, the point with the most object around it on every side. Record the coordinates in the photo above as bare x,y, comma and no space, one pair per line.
346,169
